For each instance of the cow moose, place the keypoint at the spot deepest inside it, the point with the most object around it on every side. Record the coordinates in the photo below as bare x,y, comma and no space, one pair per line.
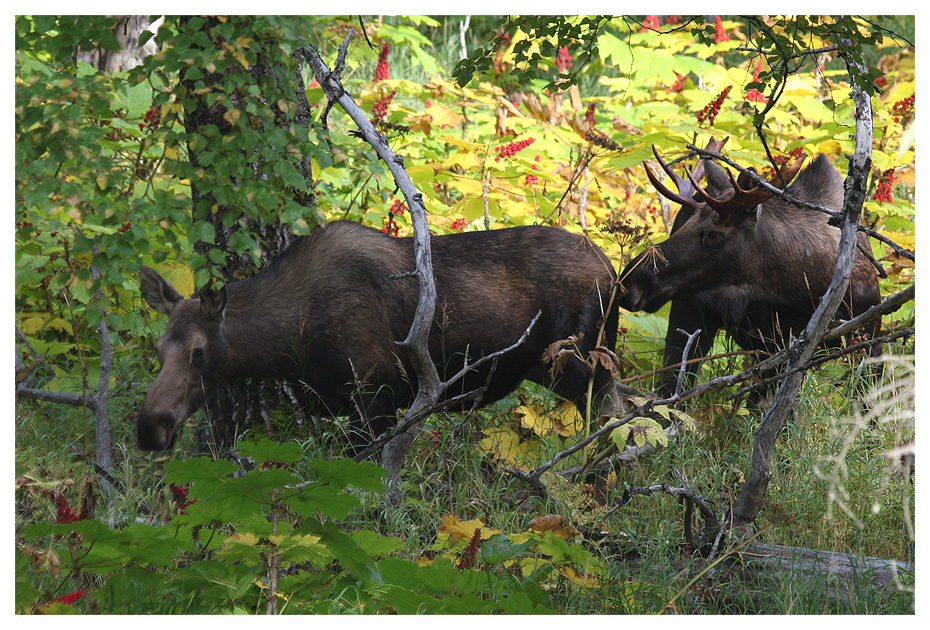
740,259
327,313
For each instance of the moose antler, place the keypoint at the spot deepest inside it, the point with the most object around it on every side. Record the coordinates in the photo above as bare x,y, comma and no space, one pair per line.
686,187
747,199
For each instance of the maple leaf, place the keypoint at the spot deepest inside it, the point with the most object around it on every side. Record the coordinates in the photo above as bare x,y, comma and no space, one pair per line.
642,430
606,357
557,354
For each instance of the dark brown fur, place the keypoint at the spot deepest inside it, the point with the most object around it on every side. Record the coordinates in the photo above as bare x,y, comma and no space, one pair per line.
327,313
759,275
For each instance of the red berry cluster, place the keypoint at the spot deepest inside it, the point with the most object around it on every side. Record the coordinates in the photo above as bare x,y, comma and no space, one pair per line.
152,119
398,208
459,224
679,83
754,94
880,82
792,156
883,193
903,108
381,72
116,134
532,179
69,599
673,19
589,115
125,228
710,111
721,34
64,513
651,23
513,148
24,224
467,561
391,229
379,111
179,493
563,60
499,57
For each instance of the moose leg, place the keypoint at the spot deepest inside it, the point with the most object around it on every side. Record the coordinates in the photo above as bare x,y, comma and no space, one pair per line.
374,415
685,317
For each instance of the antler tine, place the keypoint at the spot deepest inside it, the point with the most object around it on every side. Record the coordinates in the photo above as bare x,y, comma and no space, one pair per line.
723,206
789,172
683,196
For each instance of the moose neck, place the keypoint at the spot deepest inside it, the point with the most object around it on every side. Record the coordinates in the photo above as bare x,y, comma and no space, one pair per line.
261,327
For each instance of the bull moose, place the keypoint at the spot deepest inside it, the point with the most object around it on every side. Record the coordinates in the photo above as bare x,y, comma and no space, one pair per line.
741,259
327,313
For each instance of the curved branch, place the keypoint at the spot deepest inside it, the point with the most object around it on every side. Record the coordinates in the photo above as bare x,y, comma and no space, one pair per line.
751,497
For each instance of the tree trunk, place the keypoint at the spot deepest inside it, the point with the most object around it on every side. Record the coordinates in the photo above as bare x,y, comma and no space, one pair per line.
240,404
127,31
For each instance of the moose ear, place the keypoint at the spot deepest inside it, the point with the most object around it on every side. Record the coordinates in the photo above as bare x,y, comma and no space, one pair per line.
213,301
718,182
156,291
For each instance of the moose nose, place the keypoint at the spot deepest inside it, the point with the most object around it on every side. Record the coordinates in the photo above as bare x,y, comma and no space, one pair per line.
155,434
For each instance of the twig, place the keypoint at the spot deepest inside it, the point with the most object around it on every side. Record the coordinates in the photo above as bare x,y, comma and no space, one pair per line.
684,357
674,366
411,419
836,354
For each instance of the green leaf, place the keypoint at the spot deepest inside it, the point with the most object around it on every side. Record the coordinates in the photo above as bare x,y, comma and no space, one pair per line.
343,472
266,450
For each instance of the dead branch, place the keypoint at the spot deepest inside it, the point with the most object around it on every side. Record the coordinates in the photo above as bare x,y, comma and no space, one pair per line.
684,357
844,572
412,419
428,389
831,356
750,500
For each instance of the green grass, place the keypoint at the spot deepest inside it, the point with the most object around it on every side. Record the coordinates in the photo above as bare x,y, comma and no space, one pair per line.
639,546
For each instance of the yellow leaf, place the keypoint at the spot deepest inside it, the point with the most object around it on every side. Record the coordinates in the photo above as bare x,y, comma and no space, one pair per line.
171,154
457,529
555,523
642,430
905,240
35,323
464,160
568,419
232,116
584,581
503,445
462,530
534,417
686,421
102,180
247,539
444,116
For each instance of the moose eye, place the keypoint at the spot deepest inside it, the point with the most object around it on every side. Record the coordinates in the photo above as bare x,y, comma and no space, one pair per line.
712,238
197,354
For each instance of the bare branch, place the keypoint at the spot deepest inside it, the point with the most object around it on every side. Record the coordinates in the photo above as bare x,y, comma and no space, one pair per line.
684,357
412,419
751,497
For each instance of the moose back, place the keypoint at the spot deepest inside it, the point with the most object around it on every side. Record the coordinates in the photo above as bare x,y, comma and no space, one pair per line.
744,261
326,315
